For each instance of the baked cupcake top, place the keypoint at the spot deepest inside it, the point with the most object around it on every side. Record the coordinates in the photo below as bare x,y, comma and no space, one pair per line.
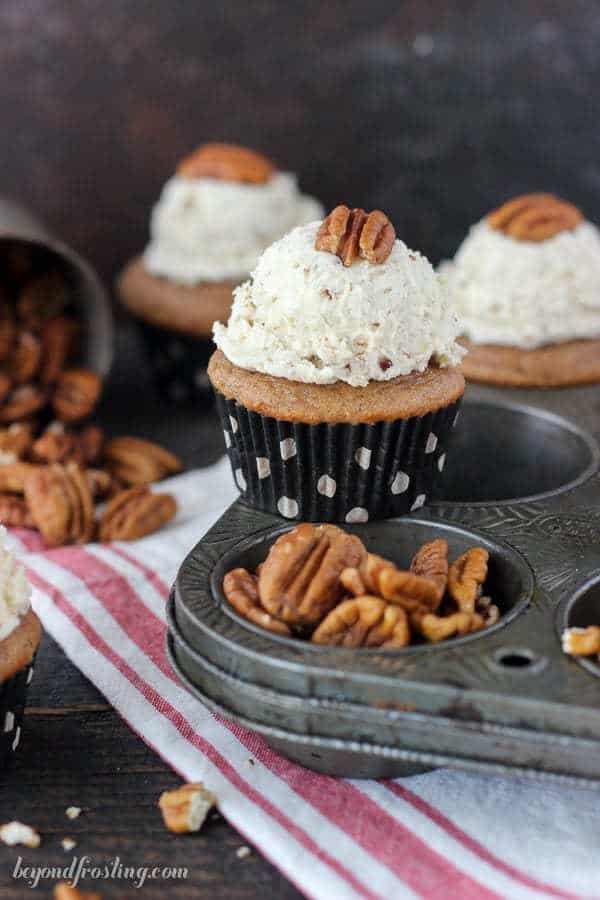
528,275
221,209
341,300
15,590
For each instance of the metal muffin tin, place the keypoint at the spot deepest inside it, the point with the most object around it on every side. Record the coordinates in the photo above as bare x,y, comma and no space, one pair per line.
521,479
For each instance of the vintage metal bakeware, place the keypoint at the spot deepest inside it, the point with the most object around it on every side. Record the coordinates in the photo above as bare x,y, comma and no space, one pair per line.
523,481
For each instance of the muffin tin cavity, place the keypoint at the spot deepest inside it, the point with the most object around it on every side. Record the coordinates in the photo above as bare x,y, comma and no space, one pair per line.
509,582
581,610
507,453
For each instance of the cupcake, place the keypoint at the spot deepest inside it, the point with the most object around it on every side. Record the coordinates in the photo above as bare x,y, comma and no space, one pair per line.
222,208
20,634
526,284
336,375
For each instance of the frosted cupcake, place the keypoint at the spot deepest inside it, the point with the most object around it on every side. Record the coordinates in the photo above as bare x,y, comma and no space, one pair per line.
336,374
526,284
20,635
222,208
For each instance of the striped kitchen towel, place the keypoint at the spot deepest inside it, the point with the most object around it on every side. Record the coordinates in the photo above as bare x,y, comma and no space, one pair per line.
441,835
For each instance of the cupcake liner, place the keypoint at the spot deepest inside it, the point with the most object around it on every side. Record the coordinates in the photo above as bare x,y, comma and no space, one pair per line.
13,694
335,472
178,362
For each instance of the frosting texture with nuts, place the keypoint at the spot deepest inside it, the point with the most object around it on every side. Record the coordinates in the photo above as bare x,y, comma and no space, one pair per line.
526,294
15,590
208,229
307,317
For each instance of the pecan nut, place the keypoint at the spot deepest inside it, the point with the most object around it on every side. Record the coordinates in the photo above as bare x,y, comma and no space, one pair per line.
299,581
134,513
438,628
350,234
185,809
26,357
8,333
136,461
16,440
58,338
5,386
364,622
14,512
23,402
42,298
227,162
58,444
581,641
65,891
76,394
431,562
535,217
13,476
61,504
241,589
466,577
378,576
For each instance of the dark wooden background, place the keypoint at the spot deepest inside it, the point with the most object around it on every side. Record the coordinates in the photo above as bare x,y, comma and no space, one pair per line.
432,110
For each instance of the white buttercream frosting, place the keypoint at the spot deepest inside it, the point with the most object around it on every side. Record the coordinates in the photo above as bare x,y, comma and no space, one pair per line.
206,229
305,316
526,294
15,590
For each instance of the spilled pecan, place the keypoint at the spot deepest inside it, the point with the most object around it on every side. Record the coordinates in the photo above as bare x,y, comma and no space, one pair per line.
13,476
58,338
466,576
136,461
134,513
227,162
41,298
241,589
61,504
16,440
5,386
14,512
59,444
76,394
24,401
26,357
350,234
102,484
299,581
365,621
8,332
535,217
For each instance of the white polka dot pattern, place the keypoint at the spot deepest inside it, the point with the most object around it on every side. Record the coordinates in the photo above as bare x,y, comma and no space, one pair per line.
357,514
326,486
240,480
287,507
441,462
400,483
234,424
15,743
431,443
263,466
363,457
227,437
287,448
419,502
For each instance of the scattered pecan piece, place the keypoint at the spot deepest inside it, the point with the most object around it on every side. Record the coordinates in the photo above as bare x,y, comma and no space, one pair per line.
581,641
300,579
134,513
42,298
76,394
431,562
241,590
65,891
466,576
26,357
102,485
58,338
535,217
50,502
439,628
23,402
350,234
58,444
185,809
14,475
136,461
364,622
83,521
14,512
17,439
227,162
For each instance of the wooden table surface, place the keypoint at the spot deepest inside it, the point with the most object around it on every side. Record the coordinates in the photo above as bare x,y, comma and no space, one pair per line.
76,750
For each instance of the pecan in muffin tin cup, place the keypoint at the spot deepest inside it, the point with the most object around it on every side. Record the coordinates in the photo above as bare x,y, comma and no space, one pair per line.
25,242
13,694
335,472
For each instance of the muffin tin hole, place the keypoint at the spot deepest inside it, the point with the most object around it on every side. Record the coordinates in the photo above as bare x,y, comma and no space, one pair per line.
583,609
510,580
504,453
518,659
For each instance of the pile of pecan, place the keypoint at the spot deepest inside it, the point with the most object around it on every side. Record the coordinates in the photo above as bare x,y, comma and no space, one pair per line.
320,583
53,480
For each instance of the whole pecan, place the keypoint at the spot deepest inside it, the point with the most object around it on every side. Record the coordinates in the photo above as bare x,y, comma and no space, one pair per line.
431,562
26,357
76,394
535,217
42,297
13,476
466,577
299,581
364,622
439,628
58,338
14,512
16,439
241,589
23,402
136,461
134,513
50,502
350,234
227,162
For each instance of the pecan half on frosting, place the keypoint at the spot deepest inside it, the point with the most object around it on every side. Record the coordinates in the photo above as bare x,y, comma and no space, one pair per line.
352,233
227,162
535,217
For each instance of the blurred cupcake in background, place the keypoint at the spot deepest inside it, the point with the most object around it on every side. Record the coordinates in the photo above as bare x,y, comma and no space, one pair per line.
526,284
336,374
215,216
20,635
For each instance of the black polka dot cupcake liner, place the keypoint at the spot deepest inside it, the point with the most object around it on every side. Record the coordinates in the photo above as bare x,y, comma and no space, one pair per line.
178,363
336,472
13,694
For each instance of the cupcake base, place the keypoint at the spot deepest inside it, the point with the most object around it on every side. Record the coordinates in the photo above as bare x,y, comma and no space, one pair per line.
16,671
559,365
